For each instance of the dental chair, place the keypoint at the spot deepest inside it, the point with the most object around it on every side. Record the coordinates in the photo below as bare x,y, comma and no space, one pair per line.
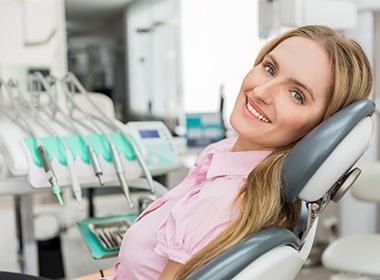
320,168
358,255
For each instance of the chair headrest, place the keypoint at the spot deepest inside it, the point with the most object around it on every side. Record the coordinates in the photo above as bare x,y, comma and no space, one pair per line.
326,153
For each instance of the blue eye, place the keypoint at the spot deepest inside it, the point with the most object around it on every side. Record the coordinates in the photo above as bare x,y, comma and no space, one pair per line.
298,97
269,69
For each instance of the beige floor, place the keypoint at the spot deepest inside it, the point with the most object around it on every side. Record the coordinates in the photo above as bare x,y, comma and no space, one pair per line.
77,260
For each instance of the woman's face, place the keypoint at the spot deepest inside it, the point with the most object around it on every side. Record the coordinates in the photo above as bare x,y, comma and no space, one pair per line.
284,97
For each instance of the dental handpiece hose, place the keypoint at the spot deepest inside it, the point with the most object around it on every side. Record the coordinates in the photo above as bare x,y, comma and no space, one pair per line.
49,172
96,165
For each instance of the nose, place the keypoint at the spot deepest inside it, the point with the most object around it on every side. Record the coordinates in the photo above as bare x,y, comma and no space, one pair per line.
265,92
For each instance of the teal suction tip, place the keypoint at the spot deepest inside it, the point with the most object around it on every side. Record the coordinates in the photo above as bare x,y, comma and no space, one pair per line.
57,191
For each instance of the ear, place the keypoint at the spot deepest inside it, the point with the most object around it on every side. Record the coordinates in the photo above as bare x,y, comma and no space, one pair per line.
326,153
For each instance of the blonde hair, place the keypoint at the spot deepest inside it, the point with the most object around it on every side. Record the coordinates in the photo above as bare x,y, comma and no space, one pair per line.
260,198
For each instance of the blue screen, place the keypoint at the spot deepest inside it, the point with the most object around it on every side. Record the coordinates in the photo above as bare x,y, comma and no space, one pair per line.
149,134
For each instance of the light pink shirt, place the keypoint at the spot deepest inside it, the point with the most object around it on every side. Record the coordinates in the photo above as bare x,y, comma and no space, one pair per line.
179,224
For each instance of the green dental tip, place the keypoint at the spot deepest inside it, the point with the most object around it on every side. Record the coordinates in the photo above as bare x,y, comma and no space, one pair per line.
57,191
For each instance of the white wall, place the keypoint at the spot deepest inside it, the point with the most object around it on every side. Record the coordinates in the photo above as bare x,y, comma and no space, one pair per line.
219,41
32,36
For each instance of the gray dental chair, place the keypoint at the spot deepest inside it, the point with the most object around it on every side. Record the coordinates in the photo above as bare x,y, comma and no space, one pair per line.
320,168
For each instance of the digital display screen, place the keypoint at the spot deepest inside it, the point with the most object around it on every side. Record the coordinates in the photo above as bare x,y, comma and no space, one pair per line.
149,134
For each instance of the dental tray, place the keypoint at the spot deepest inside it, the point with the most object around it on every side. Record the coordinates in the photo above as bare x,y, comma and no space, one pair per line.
103,235
109,234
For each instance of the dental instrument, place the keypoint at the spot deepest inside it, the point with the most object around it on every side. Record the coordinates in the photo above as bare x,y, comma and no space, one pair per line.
49,172
93,158
77,191
117,125
115,155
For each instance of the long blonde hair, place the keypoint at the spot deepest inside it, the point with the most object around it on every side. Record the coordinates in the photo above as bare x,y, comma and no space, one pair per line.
260,198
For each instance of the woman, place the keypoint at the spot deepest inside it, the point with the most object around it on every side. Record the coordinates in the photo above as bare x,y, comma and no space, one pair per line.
299,79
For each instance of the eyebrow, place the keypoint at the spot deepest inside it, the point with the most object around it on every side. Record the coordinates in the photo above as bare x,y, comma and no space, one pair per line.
292,80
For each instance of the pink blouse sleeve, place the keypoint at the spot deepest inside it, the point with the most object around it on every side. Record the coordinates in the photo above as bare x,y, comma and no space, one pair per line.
196,220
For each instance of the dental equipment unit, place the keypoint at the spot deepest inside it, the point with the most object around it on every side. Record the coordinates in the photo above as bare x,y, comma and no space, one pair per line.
76,188
115,155
73,82
49,172
94,160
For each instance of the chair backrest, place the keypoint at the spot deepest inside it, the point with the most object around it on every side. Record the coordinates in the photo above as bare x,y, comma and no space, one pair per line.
327,152
318,169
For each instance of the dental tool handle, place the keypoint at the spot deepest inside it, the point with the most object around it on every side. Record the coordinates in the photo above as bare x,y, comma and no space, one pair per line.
116,159
142,163
146,171
74,178
121,174
125,188
50,173
96,165
130,139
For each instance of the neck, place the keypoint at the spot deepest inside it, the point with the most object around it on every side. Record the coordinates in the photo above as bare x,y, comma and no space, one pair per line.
242,145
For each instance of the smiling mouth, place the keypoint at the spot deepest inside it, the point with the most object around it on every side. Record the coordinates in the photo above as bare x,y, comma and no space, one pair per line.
256,114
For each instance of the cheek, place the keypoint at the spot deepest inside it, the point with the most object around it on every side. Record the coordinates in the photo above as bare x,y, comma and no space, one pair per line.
239,102
234,117
299,127
303,119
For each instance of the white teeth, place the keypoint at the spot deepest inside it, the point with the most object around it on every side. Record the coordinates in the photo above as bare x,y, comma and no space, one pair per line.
257,114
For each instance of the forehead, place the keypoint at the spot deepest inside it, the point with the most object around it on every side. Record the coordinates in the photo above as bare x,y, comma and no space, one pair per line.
306,61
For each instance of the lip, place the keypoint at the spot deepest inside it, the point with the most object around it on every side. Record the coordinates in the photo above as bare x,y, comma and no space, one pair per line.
258,109
254,106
